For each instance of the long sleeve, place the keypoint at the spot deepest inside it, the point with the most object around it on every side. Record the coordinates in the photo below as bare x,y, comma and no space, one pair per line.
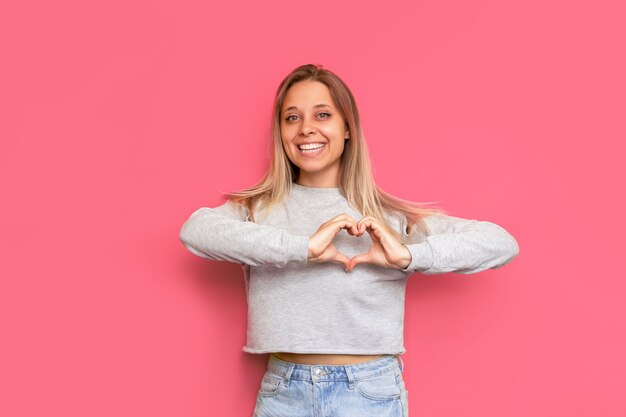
223,234
461,245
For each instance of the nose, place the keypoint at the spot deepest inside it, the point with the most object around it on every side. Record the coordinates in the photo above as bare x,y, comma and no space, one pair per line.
306,128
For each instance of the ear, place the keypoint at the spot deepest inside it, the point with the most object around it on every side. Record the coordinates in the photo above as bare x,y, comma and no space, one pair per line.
347,136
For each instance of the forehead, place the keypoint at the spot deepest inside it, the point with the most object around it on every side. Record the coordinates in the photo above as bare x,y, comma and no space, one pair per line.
307,94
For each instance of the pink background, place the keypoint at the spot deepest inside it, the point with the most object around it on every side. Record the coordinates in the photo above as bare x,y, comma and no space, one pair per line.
118,120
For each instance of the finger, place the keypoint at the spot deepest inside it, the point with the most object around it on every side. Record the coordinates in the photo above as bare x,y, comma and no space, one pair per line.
349,224
353,230
365,226
337,225
369,222
382,237
342,259
342,216
352,221
375,230
359,259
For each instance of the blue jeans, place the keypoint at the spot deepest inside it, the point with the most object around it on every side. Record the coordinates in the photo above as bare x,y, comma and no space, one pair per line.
373,388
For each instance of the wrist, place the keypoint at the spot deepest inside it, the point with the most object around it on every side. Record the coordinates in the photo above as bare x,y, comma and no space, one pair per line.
406,258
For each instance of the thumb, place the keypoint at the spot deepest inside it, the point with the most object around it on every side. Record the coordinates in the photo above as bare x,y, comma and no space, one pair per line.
343,259
359,259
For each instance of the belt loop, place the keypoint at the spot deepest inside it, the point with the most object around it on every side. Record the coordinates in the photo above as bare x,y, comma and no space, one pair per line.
287,377
400,361
350,376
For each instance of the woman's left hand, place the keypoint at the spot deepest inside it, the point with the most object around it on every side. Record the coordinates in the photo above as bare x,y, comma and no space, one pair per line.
386,251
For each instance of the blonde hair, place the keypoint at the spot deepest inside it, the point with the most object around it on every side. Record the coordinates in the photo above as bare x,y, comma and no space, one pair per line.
356,182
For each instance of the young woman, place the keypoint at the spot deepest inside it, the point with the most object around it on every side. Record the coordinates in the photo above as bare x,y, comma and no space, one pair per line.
326,255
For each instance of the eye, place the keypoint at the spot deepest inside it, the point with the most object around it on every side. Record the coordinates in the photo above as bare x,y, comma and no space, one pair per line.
327,114
288,118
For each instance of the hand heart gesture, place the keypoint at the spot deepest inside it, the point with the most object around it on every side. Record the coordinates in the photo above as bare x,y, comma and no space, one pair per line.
321,248
385,251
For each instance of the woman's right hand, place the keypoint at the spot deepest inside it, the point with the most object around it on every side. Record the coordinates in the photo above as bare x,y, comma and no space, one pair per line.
321,248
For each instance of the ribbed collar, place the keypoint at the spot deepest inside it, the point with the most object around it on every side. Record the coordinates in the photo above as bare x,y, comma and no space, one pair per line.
319,191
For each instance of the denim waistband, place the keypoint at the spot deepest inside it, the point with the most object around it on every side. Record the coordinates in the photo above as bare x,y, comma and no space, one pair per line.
291,370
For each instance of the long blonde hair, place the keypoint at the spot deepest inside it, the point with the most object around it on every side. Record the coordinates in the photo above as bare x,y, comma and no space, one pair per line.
356,181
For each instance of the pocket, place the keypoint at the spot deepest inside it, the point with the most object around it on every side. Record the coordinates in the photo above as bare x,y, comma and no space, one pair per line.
381,387
270,384
404,398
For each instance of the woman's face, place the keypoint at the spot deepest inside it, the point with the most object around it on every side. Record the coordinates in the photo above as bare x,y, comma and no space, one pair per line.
310,118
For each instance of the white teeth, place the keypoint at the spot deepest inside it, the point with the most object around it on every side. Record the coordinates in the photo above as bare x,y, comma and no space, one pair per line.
311,146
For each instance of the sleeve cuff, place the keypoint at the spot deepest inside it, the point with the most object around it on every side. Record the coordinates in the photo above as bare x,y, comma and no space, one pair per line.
422,257
297,249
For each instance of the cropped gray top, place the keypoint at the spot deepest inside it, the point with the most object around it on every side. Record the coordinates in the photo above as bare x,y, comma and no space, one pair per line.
301,307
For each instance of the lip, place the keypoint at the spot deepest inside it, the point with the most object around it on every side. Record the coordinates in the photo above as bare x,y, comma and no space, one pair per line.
317,152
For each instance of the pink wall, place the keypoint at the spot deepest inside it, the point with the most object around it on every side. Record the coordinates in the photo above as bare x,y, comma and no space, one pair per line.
117,121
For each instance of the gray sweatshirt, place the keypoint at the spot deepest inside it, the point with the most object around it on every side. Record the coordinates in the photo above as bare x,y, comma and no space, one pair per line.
301,307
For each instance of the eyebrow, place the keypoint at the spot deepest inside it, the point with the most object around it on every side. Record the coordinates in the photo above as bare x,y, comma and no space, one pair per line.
315,107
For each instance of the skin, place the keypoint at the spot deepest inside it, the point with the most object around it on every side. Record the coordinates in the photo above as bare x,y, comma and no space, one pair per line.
303,120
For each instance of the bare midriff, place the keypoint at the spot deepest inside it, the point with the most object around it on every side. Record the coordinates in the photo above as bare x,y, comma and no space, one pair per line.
325,359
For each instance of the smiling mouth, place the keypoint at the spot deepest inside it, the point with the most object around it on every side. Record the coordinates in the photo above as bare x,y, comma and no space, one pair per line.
311,149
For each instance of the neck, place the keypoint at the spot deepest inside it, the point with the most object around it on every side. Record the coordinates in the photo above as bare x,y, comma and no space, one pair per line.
317,182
